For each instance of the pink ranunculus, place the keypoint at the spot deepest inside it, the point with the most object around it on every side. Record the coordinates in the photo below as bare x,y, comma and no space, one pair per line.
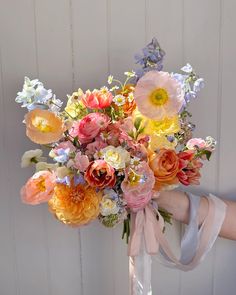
194,143
97,99
39,188
81,162
65,145
95,146
89,127
138,186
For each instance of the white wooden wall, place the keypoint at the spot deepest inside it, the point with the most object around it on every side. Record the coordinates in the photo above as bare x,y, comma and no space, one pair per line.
76,43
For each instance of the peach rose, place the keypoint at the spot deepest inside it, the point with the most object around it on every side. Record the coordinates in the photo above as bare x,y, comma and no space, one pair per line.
97,99
165,165
100,174
89,127
39,188
137,186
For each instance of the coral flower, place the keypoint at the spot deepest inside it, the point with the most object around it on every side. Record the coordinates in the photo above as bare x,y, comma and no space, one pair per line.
158,95
100,174
137,186
165,165
130,104
97,99
43,126
89,127
190,167
39,188
75,205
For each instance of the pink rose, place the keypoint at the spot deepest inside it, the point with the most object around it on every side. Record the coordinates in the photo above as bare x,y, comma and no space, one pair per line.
97,99
81,162
39,188
89,127
194,143
137,186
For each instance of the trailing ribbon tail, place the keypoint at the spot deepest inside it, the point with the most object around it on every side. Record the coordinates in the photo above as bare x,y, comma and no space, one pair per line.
147,236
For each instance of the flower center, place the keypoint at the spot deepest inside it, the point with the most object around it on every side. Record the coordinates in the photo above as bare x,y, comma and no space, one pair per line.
159,97
133,177
77,195
41,184
42,124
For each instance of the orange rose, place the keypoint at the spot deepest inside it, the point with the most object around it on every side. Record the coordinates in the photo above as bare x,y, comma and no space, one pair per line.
43,126
165,165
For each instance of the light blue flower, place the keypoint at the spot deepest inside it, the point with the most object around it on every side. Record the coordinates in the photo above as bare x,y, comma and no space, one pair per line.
34,95
198,85
79,179
65,180
187,68
63,155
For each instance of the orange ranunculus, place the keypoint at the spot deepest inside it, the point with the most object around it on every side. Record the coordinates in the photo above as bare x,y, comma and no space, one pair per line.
165,165
99,174
39,188
75,205
43,126
129,106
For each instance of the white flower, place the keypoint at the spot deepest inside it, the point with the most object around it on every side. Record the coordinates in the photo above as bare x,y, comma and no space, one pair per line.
108,204
130,97
62,172
135,163
110,79
117,157
130,74
41,166
187,68
119,100
30,157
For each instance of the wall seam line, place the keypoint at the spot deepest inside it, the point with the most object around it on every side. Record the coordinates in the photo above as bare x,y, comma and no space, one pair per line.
219,105
42,209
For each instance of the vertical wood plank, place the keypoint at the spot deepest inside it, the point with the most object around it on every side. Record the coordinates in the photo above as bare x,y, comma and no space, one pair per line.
126,33
203,54
54,60
18,60
90,53
225,261
8,279
164,21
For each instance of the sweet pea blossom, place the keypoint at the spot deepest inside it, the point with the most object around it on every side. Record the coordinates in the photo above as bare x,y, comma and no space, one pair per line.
30,157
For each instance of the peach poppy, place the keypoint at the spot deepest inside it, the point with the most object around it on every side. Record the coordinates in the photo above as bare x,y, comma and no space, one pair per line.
43,126
39,188
158,95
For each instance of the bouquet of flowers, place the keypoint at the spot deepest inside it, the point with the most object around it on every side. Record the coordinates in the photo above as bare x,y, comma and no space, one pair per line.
112,150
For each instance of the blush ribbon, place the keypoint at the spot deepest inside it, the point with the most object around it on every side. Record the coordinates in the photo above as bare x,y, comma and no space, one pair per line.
147,238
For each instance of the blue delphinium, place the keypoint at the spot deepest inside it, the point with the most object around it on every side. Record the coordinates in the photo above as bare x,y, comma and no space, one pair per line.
150,59
35,96
191,83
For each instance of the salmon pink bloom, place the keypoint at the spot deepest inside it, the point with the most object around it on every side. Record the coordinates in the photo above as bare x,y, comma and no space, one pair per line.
138,186
190,167
89,127
97,99
158,95
99,174
39,188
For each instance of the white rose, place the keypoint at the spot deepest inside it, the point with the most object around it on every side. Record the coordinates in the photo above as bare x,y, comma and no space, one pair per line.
117,157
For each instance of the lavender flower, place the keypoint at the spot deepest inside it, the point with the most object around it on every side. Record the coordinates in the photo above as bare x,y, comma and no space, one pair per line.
150,59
